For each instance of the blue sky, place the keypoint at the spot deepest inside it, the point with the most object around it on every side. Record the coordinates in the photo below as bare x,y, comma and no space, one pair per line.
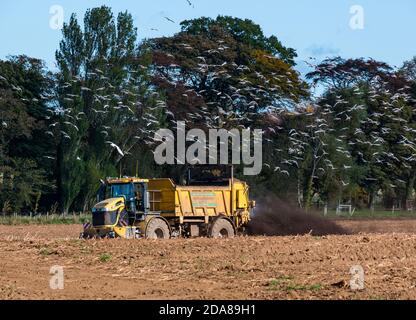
316,28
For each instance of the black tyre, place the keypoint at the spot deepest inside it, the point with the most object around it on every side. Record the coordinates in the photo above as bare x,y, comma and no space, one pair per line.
222,228
84,236
157,229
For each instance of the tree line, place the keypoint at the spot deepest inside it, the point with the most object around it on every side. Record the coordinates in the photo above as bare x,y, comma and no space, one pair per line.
63,131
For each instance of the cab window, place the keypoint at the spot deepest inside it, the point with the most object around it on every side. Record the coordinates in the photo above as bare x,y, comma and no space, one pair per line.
122,190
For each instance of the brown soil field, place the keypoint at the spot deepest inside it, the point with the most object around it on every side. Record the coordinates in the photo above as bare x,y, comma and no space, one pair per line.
290,267
379,226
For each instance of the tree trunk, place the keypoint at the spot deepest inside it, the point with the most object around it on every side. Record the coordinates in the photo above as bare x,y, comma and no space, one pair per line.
300,192
409,189
309,193
371,201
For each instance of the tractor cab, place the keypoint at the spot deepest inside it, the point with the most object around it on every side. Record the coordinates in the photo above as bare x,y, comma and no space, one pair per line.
121,202
132,190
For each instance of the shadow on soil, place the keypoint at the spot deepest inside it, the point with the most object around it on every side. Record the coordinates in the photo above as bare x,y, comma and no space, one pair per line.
274,217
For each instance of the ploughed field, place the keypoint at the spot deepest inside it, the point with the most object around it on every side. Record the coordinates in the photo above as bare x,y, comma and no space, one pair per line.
291,267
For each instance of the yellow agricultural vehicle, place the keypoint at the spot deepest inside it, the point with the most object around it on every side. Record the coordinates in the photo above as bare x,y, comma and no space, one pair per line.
211,204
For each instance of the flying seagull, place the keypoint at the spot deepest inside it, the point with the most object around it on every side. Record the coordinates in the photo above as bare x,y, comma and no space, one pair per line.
170,20
113,145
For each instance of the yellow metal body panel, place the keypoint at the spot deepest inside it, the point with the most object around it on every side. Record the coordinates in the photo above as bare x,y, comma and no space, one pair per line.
198,201
112,204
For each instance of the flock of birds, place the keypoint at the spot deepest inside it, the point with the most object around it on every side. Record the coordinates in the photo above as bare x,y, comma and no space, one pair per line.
221,112
376,132
237,106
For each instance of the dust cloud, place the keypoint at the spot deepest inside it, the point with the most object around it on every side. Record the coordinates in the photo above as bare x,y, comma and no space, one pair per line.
275,217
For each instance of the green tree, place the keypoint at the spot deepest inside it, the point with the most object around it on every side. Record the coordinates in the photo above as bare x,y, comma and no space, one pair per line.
243,31
103,96
373,117
26,175
219,76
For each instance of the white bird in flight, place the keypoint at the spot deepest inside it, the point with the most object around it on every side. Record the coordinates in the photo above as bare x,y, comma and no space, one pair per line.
113,145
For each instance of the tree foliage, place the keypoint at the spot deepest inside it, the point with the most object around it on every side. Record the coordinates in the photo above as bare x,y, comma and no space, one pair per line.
25,92
97,115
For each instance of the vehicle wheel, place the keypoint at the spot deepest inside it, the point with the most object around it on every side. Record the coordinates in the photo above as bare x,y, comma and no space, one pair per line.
157,229
84,236
222,228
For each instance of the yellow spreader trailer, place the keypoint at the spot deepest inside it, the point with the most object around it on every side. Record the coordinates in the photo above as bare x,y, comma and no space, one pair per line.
159,209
